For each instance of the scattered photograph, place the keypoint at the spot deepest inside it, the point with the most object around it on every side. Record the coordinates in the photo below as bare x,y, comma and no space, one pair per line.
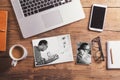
52,50
83,53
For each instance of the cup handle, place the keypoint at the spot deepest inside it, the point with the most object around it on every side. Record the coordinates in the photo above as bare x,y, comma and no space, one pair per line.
14,63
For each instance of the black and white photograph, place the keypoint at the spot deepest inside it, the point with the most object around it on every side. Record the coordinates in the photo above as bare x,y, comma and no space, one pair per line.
83,53
52,50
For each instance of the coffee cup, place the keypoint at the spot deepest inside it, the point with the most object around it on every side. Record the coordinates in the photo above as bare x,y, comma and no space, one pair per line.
17,52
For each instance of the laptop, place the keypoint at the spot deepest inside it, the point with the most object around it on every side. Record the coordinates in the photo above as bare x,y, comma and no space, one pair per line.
38,16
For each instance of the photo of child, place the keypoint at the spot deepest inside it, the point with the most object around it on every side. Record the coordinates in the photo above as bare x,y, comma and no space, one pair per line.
41,57
52,50
83,53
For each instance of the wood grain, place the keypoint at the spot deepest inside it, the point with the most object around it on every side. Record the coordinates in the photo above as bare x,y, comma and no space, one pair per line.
79,32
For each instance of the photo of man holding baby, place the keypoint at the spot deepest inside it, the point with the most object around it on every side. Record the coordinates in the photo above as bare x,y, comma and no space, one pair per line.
41,57
83,53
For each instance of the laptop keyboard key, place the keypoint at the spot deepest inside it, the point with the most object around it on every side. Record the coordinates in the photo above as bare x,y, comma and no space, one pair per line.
31,7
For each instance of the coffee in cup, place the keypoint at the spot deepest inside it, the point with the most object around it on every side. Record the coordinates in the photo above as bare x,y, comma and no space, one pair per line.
17,52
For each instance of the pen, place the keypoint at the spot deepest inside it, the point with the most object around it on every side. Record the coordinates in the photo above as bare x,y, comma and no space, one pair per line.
111,56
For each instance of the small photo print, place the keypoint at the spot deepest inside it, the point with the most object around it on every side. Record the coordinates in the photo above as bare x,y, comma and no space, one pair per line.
52,50
83,53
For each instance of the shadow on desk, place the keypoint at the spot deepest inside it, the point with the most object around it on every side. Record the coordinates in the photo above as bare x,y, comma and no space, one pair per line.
54,74
5,62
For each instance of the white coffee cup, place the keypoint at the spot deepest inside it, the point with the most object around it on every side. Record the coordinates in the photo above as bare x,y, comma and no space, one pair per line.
17,52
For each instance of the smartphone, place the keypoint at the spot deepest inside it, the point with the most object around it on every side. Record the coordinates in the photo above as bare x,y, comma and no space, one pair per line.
97,17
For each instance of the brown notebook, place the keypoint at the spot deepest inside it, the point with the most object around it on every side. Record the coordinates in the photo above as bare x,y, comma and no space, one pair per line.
3,29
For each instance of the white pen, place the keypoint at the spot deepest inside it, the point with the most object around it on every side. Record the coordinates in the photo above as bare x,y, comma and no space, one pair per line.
111,55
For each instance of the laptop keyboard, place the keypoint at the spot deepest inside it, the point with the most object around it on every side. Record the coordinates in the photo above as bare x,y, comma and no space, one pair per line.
31,7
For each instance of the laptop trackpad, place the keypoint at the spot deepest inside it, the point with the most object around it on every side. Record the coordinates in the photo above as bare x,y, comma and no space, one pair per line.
51,19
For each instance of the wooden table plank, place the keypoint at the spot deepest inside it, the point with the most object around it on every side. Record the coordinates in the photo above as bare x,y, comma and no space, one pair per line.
109,3
4,3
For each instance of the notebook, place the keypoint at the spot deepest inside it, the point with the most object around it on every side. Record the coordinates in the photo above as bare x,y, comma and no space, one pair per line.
3,29
113,56
52,50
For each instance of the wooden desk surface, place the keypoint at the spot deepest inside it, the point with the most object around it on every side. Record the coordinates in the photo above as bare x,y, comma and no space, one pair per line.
25,70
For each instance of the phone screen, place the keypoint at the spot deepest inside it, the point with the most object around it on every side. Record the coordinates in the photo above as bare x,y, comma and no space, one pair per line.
98,16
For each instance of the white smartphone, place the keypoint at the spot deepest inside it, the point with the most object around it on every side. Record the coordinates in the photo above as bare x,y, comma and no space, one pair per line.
97,17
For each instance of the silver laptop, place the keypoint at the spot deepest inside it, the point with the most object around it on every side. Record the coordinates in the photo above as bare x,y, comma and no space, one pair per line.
38,16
